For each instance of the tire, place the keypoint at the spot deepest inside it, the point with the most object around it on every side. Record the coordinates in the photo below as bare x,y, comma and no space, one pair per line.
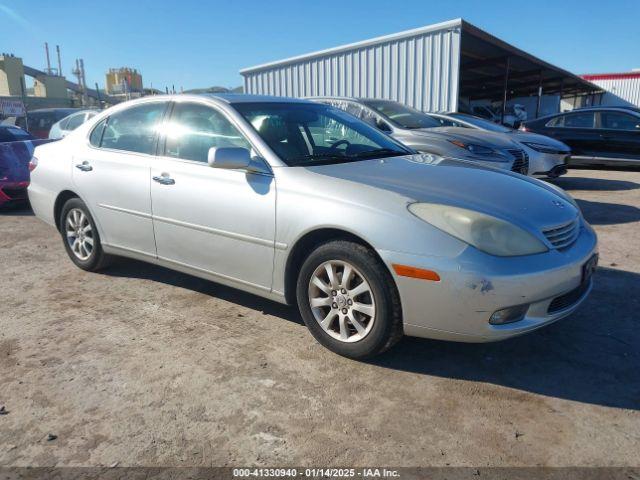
87,253
355,334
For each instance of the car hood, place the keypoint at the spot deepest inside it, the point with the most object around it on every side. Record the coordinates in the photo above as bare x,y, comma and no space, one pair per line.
520,136
468,135
428,178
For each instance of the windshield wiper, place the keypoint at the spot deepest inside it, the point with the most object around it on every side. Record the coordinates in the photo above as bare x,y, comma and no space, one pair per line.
378,152
318,158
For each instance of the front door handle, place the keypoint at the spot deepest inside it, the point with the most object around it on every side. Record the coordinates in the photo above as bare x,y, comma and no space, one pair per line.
164,179
84,166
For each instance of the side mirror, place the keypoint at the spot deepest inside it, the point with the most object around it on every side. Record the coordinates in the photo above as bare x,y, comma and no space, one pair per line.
231,158
382,126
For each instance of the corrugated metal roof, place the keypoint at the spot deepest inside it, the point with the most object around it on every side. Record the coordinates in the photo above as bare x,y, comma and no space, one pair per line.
358,45
610,76
620,91
418,67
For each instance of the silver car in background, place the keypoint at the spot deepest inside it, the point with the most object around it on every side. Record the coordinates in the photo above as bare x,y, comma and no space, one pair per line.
69,123
547,156
302,203
424,134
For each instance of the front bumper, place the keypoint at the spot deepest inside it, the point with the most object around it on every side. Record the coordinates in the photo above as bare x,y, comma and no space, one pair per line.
474,285
548,164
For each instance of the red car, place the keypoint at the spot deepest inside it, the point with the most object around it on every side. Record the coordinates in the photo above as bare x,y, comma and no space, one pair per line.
15,163
41,120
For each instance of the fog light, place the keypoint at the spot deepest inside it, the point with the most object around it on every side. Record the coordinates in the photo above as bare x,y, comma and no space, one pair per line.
508,315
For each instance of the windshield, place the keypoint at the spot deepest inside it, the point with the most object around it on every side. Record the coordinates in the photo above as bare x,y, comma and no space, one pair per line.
303,134
401,115
481,122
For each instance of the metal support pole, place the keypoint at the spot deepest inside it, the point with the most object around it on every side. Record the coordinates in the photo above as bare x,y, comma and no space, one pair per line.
539,102
506,86
98,94
24,103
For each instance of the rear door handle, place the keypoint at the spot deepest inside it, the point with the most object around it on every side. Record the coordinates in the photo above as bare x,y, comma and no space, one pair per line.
84,166
164,179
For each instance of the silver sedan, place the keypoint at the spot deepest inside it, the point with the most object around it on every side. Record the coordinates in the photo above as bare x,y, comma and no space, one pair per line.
302,203
547,156
425,134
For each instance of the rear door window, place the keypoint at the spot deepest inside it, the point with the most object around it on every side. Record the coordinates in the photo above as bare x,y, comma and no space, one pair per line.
134,129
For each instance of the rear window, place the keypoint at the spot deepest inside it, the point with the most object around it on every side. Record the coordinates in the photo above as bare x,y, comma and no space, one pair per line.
75,121
42,121
573,120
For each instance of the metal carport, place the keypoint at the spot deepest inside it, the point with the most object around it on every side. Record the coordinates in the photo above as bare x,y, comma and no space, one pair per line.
493,70
432,68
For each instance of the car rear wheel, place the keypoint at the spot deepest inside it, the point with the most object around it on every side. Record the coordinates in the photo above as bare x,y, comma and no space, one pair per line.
80,236
348,300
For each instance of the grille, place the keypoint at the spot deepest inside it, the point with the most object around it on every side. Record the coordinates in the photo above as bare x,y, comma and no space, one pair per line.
568,299
521,163
563,235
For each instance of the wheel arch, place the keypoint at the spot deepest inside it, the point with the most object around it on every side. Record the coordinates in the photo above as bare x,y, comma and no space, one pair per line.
61,199
309,241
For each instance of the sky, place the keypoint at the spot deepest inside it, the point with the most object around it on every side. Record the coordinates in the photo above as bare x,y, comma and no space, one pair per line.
191,44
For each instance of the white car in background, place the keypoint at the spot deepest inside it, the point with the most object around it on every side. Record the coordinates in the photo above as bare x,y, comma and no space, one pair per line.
69,123
547,156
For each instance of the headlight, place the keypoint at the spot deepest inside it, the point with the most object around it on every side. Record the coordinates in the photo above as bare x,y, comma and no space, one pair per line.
486,233
476,149
539,147
489,154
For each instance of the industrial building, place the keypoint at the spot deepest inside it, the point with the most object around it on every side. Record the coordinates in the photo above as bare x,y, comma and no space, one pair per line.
622,89
124,81
50,88
444,67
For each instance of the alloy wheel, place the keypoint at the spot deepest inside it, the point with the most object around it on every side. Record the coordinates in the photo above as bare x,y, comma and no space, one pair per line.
79,233
342,301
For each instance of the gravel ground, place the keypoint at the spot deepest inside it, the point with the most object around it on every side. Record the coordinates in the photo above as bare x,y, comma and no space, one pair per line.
143,366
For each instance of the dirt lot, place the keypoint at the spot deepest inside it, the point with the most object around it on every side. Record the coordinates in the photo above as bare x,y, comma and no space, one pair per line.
143,366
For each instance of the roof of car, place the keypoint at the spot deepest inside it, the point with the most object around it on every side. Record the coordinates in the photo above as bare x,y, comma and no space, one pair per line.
350,99
245,98
604,107
587,109
44,110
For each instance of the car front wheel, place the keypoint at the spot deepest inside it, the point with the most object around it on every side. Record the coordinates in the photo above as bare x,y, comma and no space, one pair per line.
348,300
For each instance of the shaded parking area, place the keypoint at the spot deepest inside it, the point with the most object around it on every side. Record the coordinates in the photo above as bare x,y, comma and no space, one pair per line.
140,365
